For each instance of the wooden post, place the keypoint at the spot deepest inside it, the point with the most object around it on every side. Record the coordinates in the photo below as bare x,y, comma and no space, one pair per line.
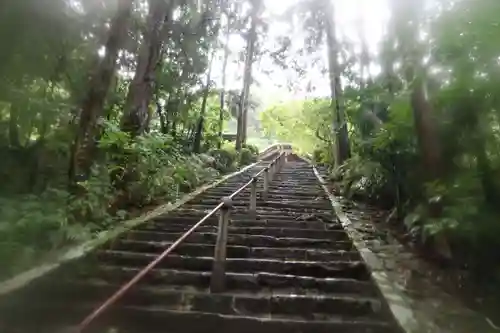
266,182
218,278
253,197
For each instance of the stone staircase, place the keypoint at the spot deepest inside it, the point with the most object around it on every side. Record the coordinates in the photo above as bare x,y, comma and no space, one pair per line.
291,269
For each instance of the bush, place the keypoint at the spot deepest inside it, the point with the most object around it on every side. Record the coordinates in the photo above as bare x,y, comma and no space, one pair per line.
253,148
247,156
155,169
225,159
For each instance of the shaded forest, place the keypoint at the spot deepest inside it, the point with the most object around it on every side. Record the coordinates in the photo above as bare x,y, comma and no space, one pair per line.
110,107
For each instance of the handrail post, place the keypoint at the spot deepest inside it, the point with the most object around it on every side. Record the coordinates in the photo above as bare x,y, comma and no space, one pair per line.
218,278
266,182
272,169
253,197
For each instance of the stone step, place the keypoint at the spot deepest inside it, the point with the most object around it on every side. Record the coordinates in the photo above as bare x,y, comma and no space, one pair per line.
241,239
264,213
262,231
140,319
254,282
184,223
281,302
237,251
318,269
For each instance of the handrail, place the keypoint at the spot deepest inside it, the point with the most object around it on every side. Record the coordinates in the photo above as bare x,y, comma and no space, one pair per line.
243,187
143,272
126,287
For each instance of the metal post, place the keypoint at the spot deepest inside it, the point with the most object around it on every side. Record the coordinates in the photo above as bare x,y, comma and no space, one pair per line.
253,197
266,182
218,278
272,170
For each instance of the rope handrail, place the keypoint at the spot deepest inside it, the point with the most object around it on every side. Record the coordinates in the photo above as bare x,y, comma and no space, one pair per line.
128,285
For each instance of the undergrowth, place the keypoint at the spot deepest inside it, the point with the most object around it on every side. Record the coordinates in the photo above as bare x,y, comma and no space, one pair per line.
36,223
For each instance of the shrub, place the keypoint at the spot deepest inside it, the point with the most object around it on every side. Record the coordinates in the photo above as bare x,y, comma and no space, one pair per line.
253,148
247,156
225,159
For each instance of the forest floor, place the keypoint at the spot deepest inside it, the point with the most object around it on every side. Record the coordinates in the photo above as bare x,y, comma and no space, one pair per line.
432,289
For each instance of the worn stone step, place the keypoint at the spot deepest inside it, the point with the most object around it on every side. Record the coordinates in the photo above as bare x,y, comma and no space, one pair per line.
184,223
264,231
241,239
237,251
140,319
336,269
160,320
243,207
234,303
264,213
234,281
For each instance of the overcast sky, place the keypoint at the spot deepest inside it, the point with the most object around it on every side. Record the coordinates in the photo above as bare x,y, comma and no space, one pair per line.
273,88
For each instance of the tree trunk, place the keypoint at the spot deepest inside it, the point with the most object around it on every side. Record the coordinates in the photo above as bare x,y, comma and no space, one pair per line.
83,148
368,108
342,150
223,89
161,116
427,136
201,121
14,139
136,111
241,134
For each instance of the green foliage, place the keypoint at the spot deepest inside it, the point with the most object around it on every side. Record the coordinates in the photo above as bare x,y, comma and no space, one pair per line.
225,158
247,156
252,148
43,86
307,124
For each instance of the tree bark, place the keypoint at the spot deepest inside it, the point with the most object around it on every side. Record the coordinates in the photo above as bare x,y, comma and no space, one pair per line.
425,125
342,150
137,112
83,148
223,89
201,121
427,136
247,77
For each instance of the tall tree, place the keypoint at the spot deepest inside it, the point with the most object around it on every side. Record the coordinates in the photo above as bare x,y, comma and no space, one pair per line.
136,111
251,39
83,148
339,120
408,22
198,136
223,74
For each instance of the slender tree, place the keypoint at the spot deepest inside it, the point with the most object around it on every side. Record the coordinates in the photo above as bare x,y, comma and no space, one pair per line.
251,39
82,151
198,136
342,151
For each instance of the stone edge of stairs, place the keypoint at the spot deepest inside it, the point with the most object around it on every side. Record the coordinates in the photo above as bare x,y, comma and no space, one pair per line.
74,252
409,319
397,302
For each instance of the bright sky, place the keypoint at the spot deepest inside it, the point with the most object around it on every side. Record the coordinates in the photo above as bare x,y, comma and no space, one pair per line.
272,88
